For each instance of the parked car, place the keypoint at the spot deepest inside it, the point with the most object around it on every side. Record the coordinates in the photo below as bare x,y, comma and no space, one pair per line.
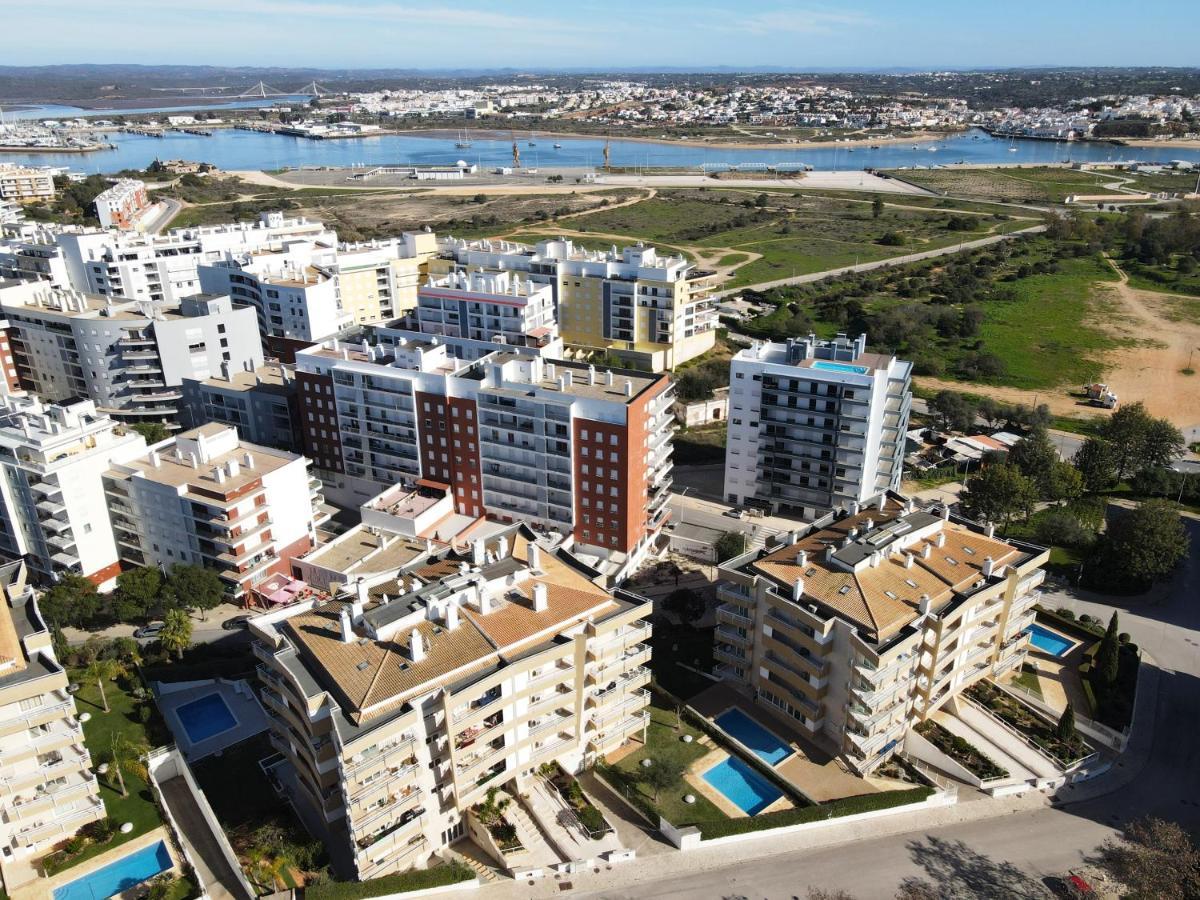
734,513
1071,887
237,622
149,631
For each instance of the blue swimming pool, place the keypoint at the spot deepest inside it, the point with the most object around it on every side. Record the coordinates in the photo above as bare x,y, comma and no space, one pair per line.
203,718
769,748
840,367
1048,641
118,876
744,787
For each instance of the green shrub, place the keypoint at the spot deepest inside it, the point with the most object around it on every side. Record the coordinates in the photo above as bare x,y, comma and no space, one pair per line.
413,880
847,806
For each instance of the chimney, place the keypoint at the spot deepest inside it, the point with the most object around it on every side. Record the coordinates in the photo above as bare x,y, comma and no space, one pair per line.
990,531
628,388
234,468
798,590
248,460
347,631
360,600
828,554
451,616
591,374
478,551
541,598
923,604
946,512
416,646
989,565
868,525
940,540
502,548
154,458
219,474
463,568
608,377
802,558
485,599
926,551
535,556
908,560
854,507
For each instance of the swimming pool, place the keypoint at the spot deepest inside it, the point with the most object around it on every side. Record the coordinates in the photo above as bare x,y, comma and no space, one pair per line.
840,367
118,876
766,746
203,718
1048,641
745,788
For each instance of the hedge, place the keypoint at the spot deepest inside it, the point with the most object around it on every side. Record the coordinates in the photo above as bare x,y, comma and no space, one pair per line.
412,880
1071,626
834,809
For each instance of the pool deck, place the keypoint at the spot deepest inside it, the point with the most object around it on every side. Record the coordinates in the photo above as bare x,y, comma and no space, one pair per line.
1058,676
43,888
812,770
239,697
695,778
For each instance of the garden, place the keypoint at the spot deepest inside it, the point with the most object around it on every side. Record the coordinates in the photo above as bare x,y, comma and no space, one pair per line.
1066,749
961,751
571,791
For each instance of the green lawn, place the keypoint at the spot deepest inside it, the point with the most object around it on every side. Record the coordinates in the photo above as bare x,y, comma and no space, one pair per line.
1033,184
665,744
1049,335
1029,681
98,732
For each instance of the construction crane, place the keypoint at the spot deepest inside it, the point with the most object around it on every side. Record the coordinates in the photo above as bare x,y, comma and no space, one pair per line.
516,164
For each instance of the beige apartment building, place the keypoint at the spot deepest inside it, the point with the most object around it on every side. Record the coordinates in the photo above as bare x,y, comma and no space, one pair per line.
403,701
865,622
25,185
47,789
651,311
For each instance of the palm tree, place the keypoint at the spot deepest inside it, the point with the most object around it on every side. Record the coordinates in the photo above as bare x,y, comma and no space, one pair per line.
176,634
105,670
127,756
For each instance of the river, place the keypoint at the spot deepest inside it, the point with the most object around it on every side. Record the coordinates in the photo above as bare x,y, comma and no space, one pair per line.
235,149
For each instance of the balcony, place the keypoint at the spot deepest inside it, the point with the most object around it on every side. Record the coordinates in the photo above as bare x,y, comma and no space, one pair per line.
619,639
622,730
627,682
730,614
631,704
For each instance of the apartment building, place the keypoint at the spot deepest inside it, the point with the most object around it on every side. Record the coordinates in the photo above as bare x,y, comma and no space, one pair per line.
815,425
25,185
11,212
866,622
130,357
53,512
650,310
207,498
482,306
134,266
47,789
512,436
263,405
296,301
122,205
10,382
378,280
402,702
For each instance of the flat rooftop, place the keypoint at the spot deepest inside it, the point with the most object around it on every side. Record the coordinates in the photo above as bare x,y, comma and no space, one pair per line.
360,552
269,378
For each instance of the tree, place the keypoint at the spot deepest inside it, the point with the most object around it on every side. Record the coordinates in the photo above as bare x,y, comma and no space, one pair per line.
1154,860
1145,544
729,545
686,604
664,774
153,432
102,670
138,591
73,601
127,756
176,634
1096,461
877,207
491,810
1162,444
997,494
193,587
1126,431
1108,655
1034,456
1065,482
955,412
1065,731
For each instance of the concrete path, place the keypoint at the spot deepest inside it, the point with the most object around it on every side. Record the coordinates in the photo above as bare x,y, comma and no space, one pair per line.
1005,740
985,745
214,871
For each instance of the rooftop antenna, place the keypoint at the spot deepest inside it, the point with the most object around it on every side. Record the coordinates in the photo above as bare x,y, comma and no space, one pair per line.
516,151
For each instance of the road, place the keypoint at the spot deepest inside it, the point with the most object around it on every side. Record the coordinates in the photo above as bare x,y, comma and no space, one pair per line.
204,631
883,263
160,221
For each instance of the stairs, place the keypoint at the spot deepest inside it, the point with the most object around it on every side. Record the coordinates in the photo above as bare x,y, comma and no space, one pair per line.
484,873
532,836
759,538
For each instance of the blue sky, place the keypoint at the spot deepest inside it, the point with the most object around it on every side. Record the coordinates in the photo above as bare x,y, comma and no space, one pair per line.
543,34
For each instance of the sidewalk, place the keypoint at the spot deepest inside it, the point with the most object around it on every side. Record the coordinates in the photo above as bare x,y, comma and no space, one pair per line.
204,630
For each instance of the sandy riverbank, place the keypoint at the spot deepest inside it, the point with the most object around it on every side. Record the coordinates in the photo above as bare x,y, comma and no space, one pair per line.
1178,143
547,138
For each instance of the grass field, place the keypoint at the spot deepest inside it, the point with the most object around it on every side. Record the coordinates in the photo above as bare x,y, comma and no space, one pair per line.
1033,184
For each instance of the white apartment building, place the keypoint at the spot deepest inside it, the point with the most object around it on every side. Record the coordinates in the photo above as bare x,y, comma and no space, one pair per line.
512,436
47,789
863,624
29,252
133,266
24,184
404,701
482,306
814,425
53,512
122,205
130,357
206,498
10,212
648,309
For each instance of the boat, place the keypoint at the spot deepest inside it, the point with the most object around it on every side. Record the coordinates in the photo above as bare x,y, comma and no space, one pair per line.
874,147
1012,149
462,143
933,149
558,146
532,142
